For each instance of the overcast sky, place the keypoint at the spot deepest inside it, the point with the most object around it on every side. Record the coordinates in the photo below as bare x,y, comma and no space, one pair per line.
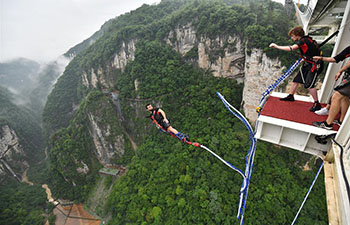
42,30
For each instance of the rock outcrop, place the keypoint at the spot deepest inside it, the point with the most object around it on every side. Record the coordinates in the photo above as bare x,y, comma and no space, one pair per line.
11,152
224,56
106,150
260,72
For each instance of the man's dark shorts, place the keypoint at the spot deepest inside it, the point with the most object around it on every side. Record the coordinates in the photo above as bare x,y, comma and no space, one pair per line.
165,125
344,87
307,76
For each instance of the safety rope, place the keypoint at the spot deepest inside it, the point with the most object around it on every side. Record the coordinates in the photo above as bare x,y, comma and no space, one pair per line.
307,194
277,82
342,167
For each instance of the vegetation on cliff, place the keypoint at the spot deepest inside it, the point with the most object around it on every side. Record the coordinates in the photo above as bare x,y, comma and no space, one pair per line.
72,148
171,183
22,204
23,122
253,21
167,183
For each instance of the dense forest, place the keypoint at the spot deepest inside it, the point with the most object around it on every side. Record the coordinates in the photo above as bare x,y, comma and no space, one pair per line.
20,203
24,122
166,182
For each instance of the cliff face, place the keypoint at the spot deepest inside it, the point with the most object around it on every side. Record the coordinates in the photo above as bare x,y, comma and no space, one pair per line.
223,56
260,72
105,150
11,152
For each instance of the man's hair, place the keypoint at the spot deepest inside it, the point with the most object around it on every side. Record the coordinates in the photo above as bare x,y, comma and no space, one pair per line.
147,105
297,31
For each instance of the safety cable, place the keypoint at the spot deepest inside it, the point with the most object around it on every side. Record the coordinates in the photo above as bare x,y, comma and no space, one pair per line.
307,194
343,168
275,85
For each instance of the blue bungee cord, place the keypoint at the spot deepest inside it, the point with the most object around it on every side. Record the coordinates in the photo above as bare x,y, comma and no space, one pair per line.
261,105
249,158
249,162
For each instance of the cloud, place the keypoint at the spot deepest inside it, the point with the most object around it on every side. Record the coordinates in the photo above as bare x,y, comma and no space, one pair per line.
44,29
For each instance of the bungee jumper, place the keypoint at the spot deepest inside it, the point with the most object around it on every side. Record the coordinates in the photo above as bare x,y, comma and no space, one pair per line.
158,116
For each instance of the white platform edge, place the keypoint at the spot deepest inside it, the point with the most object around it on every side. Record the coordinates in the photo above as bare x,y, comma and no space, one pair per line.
295,125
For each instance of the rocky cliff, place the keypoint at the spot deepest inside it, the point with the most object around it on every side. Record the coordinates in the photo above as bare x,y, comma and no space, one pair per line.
11,153
224,56
260,72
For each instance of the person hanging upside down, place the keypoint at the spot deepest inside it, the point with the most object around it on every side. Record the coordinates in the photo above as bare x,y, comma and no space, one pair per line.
158,116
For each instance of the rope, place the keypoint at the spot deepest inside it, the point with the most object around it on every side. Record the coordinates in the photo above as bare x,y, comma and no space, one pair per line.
226,163
307,194
276,84
249,158
343,168
181,136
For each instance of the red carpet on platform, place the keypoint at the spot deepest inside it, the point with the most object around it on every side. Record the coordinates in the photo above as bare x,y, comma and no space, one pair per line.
297,111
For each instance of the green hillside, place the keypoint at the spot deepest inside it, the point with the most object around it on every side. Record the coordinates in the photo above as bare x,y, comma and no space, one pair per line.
168,183
23,121
173,184
20,203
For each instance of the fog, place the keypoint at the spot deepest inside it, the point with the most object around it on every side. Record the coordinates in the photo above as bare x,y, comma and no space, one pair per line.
42,30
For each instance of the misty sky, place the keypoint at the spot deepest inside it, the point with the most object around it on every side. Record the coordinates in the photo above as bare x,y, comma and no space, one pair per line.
44,29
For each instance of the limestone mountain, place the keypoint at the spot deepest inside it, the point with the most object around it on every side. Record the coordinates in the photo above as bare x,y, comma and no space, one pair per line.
21,140
175,55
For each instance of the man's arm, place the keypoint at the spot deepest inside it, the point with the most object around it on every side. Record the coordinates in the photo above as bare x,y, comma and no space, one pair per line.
164,116
347,65
284,48
326,59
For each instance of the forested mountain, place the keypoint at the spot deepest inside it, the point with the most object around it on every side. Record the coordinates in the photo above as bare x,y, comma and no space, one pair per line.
24,86
232,22
21,145
176,55
19,127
